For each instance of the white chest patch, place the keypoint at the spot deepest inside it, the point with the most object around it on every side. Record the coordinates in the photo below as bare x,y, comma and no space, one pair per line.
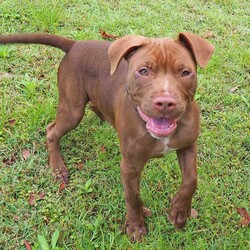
163,144
166,149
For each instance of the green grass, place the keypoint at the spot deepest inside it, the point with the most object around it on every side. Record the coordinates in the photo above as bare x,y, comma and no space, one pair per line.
89,212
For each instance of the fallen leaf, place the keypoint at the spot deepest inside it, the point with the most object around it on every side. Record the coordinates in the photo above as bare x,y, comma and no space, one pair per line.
219,107
16,217
102,149
243,212
146,212
245,222
62,186
194,213
209,34
5,75
27,245
93,196
26,154
79,166
32,199
41,76
41,195
232,90
12,122
46,219
9,161
213,220
106,35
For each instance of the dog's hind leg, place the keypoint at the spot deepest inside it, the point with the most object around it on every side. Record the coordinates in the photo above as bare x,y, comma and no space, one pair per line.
72,101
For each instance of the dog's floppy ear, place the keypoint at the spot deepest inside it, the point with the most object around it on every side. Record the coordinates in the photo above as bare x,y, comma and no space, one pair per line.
201,49
122,47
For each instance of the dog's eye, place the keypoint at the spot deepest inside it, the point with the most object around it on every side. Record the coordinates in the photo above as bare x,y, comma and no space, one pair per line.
143,71
185,73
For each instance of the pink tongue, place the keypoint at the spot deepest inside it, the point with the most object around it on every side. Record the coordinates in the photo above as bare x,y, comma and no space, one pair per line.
161,123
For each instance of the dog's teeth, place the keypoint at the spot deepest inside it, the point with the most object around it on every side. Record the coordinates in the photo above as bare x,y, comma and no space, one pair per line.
163,129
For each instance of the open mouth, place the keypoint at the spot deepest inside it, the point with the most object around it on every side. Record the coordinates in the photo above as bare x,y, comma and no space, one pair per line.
159,127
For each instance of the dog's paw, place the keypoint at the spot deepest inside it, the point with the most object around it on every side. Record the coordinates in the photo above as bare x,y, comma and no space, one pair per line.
178,218
62,177
135,227
180,212
135,231
61,172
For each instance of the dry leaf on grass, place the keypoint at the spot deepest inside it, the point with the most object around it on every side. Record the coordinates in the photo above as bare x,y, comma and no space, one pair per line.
102,149
194,213
10,161
12,122
32,199
146,212
243,212
62,186
41,195
26,154
46,219
27,245
105,35
233,89
209,34
79,166
5,75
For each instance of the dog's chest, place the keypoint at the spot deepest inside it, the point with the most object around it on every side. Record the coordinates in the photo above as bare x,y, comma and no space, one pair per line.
165,148
162,148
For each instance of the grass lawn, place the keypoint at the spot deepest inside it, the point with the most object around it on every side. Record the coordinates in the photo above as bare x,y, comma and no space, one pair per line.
89,211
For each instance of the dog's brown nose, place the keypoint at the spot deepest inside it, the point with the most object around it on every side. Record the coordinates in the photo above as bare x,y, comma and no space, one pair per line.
164,103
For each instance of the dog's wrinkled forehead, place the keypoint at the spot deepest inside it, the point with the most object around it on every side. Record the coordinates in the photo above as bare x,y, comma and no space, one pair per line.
163,53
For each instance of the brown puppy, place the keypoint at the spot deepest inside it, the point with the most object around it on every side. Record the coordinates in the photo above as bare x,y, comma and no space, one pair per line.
145,88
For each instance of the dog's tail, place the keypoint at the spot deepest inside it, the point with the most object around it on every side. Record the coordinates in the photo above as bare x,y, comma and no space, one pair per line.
59,42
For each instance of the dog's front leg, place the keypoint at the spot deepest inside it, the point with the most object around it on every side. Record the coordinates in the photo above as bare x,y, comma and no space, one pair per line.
134,222
181,203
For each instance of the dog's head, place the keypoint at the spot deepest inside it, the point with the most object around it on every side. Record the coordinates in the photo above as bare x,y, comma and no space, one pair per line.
162,76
